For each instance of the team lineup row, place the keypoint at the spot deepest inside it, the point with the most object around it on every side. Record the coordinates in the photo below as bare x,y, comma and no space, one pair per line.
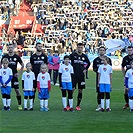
36,76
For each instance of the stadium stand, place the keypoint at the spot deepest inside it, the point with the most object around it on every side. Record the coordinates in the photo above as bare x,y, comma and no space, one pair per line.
62,23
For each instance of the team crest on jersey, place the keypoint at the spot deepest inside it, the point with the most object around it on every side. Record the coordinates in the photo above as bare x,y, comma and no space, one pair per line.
43,77
15,59
38,58
42,57
28,76
4,72
10,59
66,69
104,69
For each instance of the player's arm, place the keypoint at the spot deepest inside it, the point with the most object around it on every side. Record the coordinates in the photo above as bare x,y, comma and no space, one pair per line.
49,84
38,84
9,79
46,60
88,62
72,77
95,68
31,60
1,81
22,67
110,61
123,67
98,79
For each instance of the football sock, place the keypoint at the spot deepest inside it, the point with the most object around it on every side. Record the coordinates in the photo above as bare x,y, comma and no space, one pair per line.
79,98
68,102
126,98
71,103
46,103
8,102
102,103
99,98
19,100
130,102
4,101
31,103
41,103
25,103
64,102
107,103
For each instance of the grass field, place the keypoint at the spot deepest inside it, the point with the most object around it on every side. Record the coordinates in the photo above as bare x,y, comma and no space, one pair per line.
84,121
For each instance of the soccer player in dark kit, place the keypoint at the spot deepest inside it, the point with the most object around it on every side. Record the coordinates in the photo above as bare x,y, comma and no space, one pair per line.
96,63
14,59
125,66
36,60
77,60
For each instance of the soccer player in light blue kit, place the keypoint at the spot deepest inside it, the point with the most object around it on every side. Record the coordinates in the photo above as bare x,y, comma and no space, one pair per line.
105,83
129,85
5,80
66,83
28,85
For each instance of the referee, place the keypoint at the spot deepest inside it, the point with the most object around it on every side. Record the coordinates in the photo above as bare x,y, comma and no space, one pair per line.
96,63
77,61
36,60
125,66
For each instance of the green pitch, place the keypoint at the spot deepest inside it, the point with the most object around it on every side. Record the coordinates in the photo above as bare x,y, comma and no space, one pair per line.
84,121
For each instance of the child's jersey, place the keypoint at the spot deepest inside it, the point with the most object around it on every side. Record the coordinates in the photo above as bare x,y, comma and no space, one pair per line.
43,79
129,75
28,78
66,72
105,71
5,74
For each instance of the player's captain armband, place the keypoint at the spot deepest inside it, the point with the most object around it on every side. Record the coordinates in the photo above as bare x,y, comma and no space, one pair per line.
82,83
16,83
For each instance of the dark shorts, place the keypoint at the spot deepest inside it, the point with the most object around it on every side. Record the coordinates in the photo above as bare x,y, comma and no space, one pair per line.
15,83
80,81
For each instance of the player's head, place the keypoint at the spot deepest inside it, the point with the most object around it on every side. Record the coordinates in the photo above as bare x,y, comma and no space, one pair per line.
105,60
66,59
131,64
43,67
39,47
5,62
10,48
101,50
130,50
28,66
80,47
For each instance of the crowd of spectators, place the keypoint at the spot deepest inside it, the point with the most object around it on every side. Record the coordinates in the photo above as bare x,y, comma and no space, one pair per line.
66,22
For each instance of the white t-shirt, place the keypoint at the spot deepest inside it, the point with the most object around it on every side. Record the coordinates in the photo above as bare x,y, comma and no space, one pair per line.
5,73
43,79
105,71
129,75
66,72
28,78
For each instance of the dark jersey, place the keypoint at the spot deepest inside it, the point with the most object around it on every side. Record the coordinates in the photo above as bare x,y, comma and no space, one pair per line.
13,61
97,62
77,62
126,62
36,61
